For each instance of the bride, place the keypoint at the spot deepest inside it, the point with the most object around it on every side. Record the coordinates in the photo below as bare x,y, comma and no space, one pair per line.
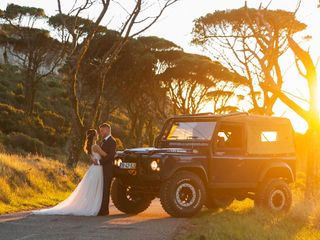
86,199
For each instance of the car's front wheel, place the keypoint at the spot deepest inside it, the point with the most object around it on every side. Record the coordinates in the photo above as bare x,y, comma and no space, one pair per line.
274,195
183,194
127,200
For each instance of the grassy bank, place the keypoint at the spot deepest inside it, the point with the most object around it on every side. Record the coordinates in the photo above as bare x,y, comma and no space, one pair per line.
34,182
243,222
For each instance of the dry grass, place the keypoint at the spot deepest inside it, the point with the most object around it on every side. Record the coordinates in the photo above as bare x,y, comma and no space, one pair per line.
34,182
240,221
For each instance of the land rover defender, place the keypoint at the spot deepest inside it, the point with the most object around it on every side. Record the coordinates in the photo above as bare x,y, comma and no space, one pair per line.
210,160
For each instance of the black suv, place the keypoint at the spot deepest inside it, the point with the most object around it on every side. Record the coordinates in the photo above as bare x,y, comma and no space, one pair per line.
209,160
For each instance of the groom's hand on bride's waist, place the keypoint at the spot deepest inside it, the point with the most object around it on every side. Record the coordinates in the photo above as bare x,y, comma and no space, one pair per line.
94,161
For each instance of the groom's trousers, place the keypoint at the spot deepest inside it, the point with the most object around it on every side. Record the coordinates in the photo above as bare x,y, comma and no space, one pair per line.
107,179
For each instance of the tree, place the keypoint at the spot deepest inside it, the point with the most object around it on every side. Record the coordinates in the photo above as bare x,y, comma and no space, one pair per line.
222,96
191,80
250,42
77,45
133,82
307,69
34,51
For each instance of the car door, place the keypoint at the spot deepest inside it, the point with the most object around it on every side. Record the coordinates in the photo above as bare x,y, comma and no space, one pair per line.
227,166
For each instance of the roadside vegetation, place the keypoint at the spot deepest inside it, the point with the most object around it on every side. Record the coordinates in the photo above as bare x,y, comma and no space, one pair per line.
241,221
32,182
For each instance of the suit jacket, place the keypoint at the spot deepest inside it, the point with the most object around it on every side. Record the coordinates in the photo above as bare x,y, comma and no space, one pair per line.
108,146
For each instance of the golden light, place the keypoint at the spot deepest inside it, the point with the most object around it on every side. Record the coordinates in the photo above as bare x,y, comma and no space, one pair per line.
318,95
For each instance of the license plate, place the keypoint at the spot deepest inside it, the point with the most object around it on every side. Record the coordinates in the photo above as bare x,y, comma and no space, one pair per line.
126,165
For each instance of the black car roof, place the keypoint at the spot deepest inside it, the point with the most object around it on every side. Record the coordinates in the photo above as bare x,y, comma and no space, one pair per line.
208,115
236,116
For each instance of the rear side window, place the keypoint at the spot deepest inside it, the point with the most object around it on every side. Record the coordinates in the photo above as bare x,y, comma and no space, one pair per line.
269,136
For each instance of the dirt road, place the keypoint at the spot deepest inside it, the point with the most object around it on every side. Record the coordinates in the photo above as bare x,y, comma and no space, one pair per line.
151,224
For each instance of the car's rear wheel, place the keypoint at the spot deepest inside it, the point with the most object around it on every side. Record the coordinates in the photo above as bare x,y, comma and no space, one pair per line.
183,195
274,195
127,200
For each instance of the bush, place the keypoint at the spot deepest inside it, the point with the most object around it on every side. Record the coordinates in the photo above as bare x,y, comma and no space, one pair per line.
54,84
25,142
19,89
119,143
16,120
2,148
53,119
10,117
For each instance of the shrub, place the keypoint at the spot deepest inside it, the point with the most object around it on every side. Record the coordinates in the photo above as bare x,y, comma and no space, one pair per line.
119,143
54,84
10,117
25,142
19,89
53,119
19,100
2,148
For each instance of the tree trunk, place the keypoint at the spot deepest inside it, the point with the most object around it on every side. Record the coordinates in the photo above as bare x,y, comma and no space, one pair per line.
5,56
77,127
311,157
29,96
75,148
150,132
139,130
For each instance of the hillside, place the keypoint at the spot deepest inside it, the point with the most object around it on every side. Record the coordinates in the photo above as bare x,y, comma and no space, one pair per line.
43,132
34,182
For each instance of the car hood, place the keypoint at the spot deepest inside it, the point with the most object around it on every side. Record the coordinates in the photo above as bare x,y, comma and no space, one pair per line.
152,150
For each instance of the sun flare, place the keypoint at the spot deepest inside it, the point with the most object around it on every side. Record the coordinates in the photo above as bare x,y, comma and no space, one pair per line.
318,95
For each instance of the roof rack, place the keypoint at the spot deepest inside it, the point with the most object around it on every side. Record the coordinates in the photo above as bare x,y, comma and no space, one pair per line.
195,114
213,115
236,114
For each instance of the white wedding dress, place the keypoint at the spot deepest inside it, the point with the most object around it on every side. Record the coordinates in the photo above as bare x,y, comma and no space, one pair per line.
86,199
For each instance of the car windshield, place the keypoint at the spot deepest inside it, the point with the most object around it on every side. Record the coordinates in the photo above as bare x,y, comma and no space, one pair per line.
191,130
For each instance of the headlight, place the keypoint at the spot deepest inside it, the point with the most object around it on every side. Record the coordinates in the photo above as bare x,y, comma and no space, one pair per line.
155,165
117,162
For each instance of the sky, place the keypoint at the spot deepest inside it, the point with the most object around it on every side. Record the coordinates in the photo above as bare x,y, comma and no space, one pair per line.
177,22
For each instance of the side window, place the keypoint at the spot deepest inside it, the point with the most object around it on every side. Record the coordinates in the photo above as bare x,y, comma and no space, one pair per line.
229,137
269,136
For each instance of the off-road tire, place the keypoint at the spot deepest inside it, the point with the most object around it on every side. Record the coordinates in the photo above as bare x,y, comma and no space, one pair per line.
274,195
183,184
138,203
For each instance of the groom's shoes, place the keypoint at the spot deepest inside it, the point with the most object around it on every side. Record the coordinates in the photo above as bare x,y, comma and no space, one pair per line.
104,214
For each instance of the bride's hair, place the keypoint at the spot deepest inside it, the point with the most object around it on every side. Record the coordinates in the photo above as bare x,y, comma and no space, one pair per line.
90,134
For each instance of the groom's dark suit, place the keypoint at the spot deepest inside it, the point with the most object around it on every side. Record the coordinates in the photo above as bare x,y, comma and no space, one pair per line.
108,146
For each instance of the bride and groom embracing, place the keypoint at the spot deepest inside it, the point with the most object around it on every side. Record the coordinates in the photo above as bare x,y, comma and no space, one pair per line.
91,196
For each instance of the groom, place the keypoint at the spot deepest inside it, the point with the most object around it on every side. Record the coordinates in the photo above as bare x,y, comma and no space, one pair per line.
108,145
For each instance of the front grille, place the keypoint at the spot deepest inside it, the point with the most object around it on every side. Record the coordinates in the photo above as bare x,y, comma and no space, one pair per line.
143,164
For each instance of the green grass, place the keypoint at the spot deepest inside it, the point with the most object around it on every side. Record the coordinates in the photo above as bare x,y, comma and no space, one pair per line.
240,221
34,182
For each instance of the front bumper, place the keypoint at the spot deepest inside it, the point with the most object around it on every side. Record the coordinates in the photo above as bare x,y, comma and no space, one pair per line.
136,175
143,172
